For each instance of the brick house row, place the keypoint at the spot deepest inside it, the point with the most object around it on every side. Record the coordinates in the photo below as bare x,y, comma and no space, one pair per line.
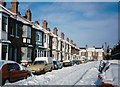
22,40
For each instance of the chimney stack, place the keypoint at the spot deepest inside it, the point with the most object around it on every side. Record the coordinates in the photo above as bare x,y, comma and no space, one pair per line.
71,41
37,22
3,3
62,35
68,39
19,13
48,29
45,24
14,7
28,14
55,31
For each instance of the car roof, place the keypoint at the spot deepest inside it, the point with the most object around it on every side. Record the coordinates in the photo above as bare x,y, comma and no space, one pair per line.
2,62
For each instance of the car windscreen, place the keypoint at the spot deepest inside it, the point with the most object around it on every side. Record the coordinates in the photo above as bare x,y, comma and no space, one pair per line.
38,63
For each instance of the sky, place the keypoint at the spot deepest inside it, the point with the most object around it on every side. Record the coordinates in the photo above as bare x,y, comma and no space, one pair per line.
86,23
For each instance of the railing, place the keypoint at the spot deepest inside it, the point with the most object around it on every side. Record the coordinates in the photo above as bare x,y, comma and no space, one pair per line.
3,35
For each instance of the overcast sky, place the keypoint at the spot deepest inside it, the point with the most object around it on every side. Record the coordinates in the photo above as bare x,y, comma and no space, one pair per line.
91,23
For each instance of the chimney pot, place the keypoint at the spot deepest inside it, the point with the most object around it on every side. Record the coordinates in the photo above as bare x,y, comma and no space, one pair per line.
68,39
71,41
45,24
55,31
28,14
48,29
14,7
37,22
62,35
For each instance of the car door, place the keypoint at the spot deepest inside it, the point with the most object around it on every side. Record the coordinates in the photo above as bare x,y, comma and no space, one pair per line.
14,71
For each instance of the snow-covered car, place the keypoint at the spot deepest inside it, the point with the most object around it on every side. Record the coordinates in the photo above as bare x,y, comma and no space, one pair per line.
12,71
67,63
57,64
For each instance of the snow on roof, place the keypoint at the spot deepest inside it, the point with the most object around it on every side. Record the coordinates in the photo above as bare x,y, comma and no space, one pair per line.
5,10
36,26
59,38
20,18
99,50
90,49
53,35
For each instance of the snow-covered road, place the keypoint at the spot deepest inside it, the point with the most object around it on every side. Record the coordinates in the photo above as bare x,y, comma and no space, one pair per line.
83,74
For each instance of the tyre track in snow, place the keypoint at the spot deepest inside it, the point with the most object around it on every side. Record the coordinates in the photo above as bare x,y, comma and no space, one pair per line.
81,77
66,74
73,73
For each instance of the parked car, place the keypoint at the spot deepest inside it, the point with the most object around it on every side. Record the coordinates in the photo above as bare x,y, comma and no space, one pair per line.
41,65
57,64
12,71
67,63
84,59
77,62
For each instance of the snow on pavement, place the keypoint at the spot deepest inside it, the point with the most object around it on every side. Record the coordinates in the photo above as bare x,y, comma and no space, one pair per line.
83,74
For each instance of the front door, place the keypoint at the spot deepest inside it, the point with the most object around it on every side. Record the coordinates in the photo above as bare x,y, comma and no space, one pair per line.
4,52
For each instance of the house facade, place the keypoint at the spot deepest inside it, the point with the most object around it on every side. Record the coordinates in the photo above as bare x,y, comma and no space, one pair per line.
55,44
92,53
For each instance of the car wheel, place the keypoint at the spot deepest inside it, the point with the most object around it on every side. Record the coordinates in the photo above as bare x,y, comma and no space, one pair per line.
27,76
43,71
3,82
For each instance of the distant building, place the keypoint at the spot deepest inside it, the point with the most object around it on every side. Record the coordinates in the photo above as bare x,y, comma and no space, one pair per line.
92,53
115,51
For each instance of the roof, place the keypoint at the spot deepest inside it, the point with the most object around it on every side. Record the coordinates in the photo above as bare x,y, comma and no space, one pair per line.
2,62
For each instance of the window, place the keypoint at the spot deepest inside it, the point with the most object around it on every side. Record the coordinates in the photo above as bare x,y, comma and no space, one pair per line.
29,32
44,38
39,38
4,23
17,30
99,53
11,28
38,62
29,53
16,66
28,40
24,40
26,31
4,52
26,53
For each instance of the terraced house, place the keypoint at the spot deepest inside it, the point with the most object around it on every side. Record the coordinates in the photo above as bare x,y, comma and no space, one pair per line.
92,53
22,40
